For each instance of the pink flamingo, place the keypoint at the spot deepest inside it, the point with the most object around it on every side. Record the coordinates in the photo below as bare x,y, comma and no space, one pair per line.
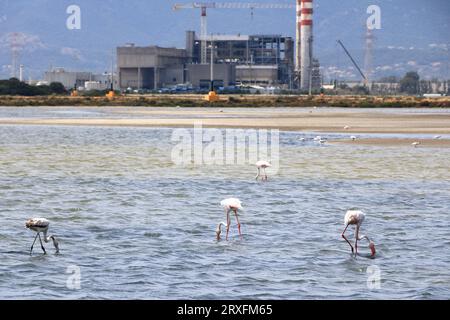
356,217
229,205
262,165
39,225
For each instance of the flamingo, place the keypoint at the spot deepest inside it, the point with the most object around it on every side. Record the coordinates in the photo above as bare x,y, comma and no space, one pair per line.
415,144
262,165
39,225
356,217
346,127
437,137
229,205
353,138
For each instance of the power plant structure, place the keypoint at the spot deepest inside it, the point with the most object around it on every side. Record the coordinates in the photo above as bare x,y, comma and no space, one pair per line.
266,60
204,6
306,43
258,59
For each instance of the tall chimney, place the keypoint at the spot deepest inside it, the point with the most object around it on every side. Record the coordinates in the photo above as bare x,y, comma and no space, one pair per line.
298,29
21,72
306,41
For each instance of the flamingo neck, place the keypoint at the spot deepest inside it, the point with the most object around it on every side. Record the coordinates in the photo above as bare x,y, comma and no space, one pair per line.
46,238
364,237
219,227
52,238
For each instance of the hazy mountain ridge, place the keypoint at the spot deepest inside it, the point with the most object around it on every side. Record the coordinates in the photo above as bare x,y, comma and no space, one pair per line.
413,36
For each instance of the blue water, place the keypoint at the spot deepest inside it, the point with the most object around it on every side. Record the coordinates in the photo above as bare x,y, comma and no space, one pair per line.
140,227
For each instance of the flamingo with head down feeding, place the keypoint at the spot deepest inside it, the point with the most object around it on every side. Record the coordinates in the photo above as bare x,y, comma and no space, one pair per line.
356,217
229,205
262,165
39,225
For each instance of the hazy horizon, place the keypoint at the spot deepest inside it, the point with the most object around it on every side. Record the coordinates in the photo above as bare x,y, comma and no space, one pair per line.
414,35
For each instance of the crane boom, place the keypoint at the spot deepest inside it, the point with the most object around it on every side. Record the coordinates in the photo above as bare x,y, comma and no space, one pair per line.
353,60
233,5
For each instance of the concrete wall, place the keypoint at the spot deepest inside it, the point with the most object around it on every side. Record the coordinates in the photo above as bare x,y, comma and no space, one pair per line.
257,74
68,79
149,57
171,76
71,79
150,67
200,73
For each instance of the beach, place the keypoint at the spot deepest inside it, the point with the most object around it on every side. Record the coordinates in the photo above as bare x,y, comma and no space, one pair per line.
347,121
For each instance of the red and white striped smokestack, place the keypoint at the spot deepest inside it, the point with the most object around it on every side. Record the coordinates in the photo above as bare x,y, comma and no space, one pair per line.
298,29
306,41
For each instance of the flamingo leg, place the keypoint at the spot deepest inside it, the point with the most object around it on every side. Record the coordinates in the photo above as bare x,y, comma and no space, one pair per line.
343,236
238,223
33,243
42,246
265,174
356,240
257,175
228,223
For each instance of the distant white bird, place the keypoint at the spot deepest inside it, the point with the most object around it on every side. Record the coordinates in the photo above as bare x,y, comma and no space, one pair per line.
356,217
229,205
318,138
437,137
302,139
41,225
346,127
353,138
262,165
415,144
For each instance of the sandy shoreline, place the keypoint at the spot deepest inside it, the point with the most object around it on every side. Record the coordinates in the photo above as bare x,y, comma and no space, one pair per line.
392,142
287,120
302,120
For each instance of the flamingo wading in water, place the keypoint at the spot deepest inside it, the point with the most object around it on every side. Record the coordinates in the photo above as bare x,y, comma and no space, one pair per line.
229,205
39,225
356,217
262,165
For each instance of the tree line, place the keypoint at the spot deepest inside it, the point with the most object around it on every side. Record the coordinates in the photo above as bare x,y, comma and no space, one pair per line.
15,87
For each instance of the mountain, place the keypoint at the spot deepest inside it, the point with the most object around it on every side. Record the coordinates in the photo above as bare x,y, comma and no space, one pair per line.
413,36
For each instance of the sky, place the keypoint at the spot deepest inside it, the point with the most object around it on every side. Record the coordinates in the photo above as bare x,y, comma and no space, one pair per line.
413,36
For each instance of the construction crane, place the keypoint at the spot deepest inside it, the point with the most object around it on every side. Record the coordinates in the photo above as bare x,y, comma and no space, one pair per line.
204,6
353,61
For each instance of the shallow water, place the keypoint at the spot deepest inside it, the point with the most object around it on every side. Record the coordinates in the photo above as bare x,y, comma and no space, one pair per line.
140,227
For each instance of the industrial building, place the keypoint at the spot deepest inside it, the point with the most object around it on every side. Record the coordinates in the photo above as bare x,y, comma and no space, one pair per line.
75,79
264,60
238,59
150,67
259,59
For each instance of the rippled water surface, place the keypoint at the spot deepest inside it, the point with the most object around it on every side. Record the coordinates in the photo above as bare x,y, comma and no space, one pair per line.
140,227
